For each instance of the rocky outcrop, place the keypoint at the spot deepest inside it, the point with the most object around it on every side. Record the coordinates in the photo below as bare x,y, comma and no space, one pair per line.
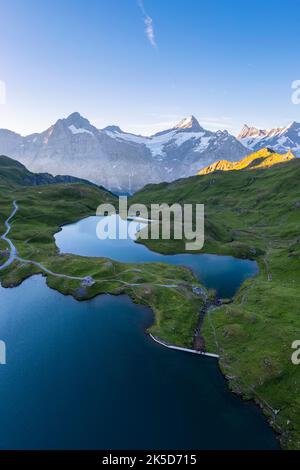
262,159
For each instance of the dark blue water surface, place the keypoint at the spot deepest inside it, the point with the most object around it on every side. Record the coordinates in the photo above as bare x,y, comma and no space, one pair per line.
223,273
84,375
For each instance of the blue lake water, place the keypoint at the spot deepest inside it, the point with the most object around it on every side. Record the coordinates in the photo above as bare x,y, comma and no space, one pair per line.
223,273
84,375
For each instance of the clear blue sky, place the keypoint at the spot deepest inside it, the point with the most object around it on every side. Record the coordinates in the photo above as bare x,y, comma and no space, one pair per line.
226,62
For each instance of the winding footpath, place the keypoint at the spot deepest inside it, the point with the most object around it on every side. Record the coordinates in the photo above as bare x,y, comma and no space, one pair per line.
13,255
13,250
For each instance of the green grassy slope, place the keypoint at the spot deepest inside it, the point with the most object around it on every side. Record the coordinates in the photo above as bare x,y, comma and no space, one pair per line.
254,213
13,174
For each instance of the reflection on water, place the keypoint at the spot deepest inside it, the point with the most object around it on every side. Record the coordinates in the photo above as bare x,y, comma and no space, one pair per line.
223,273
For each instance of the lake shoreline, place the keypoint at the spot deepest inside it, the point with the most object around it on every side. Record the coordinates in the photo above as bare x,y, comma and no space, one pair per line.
133,298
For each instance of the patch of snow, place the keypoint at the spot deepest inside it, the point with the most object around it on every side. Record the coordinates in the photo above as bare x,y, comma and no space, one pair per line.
46,139
203,144
182,137
157,143
128,137
283,140
79,130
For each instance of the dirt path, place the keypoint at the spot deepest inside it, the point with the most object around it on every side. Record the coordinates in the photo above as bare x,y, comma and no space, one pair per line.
13,250
13,255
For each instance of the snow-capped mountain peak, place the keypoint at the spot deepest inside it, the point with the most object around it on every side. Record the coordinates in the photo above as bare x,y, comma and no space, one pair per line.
112,129
187,137
189,123
76,118
280,139
292,126
250,132
77,124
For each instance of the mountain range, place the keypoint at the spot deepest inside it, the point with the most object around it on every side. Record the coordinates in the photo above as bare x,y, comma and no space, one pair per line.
125,162
118,160
280,139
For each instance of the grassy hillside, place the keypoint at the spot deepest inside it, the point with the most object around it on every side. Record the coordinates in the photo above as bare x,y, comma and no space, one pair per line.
252,213
13,174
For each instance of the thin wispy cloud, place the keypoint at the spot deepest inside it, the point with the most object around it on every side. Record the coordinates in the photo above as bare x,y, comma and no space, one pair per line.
217,123
148,21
